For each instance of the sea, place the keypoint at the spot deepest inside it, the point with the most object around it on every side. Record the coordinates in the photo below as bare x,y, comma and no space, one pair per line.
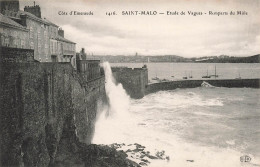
195,127
176,71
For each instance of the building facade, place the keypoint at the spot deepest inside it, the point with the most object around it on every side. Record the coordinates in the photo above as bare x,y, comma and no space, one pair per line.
38,36
13,34
27,29
89,67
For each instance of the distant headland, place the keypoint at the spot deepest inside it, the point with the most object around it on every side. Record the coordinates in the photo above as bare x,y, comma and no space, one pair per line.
175,58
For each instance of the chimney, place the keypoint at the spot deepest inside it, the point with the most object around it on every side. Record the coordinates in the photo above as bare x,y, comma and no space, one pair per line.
83,54
35,10
11,5
61,32
23,20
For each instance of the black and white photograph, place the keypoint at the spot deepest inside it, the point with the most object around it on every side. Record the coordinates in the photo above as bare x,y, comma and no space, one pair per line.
130,83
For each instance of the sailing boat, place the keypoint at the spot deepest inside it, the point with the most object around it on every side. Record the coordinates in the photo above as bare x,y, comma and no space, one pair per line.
239,77
215,73
190,74
185,76
155,78
172,70
206,76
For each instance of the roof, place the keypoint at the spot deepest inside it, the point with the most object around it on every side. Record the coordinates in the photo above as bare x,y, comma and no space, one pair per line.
51,23
90,60
20,12
46,21
60,38
9,22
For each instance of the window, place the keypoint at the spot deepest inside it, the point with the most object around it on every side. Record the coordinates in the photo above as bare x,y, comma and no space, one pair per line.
55,46
39,48
2,40
15,42
31,32
51,47
45,34
18,43
7,41
22,43
15,33
32,45
39,35
46,51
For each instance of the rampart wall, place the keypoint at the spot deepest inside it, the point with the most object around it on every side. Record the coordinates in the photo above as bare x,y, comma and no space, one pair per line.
16,55
42,103
230,83
134,80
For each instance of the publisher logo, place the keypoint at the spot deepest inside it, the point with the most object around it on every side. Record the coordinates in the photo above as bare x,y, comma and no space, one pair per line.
245,158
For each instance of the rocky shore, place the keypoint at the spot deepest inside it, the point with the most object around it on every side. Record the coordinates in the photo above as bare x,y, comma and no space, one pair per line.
114,155
72,152
139,154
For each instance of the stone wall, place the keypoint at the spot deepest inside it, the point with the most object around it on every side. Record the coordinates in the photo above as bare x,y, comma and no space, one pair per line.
134,80
230,83
90,69
40,103
16,55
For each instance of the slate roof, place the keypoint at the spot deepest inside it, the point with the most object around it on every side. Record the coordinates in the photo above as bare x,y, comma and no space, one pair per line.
48,21
20,12
7,21
60,38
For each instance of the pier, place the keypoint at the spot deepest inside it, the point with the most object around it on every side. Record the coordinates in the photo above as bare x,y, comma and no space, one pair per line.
135,82
229,83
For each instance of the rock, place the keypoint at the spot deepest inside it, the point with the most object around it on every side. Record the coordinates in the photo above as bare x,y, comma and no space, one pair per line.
128,151
151,157
160,154
143,164
144,160
190,160
138,150
142,156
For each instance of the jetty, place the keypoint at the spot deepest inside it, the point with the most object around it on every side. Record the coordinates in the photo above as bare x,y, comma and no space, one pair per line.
229,83
135,82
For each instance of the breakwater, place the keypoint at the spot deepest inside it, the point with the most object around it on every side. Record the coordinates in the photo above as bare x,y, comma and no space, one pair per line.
230,83
133,80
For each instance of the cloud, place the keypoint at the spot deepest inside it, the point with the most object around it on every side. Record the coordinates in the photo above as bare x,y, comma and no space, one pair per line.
161,34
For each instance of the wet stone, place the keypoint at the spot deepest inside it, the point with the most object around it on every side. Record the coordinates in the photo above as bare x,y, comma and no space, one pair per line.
143,164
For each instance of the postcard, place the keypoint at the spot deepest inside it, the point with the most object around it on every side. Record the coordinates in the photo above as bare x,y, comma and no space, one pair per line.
130,83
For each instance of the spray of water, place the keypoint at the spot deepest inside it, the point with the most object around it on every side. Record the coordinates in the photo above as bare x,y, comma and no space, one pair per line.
115,116
117,97
121,122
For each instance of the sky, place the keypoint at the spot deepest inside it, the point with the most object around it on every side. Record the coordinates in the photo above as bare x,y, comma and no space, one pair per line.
182,35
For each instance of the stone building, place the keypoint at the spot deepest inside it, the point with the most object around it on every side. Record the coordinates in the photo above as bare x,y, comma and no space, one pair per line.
27,29
38,35
89,67
66,49
13,34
